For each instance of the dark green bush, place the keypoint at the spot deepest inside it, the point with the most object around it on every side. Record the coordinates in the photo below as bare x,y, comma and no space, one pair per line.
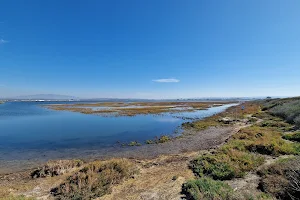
209,165
290,111
150,142
297,121
134,143
280,125
163,139
225,164
292,136
206,188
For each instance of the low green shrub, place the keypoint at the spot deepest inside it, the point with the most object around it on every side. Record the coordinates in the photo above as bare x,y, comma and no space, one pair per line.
265,140
163,139
280,125
207,189
225,165
150,142
239,155
297,121
293,136
157,140
134,143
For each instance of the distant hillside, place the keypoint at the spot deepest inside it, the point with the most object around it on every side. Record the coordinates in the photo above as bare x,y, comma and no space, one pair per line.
45,97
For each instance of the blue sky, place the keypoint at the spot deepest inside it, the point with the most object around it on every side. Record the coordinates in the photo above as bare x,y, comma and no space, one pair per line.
150,49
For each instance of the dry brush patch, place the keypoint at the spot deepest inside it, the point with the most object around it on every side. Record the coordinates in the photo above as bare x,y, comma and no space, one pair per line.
282,179
95,180
56,168
18,197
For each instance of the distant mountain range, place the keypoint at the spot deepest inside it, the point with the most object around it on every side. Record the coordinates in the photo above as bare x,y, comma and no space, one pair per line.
44,97
65,97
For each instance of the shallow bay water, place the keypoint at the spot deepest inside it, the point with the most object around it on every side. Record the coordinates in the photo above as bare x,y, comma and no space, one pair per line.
30,131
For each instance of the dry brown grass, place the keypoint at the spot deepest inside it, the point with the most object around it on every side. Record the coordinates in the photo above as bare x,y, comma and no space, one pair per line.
15,184
36,182
281,179
56,168
95,179
18,197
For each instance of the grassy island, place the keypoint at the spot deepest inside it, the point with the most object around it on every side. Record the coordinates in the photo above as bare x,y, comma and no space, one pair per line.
135,108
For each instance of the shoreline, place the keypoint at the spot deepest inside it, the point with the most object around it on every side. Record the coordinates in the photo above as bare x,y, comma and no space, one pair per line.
190,140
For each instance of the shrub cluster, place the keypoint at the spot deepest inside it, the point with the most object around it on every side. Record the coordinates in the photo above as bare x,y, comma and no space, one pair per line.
207,189
282,179
225,165
293,136
239,155
264,140
277,124
157,140
134,143
288,109
95,180
56,168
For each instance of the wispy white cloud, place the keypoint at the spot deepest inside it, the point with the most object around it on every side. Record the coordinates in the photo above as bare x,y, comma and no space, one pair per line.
166,80
3,41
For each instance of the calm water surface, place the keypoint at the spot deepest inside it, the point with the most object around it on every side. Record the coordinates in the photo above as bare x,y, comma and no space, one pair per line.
27,127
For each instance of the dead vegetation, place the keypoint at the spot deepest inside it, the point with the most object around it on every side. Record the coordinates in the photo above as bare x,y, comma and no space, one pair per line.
281,179
56,168
95,179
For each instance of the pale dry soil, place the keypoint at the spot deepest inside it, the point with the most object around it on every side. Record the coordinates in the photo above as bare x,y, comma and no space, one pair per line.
161,178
